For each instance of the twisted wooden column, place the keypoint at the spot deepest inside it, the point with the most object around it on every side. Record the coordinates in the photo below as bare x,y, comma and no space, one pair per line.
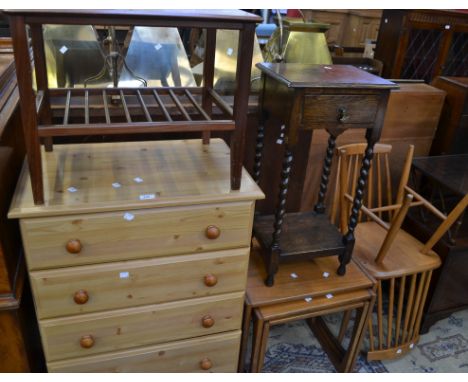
258,152
279,215
320,206
349,239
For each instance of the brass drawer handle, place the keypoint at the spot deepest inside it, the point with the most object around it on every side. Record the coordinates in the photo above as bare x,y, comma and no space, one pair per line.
208,321
206,364
81,297
210,280
74,246
87,341
212,232
343,115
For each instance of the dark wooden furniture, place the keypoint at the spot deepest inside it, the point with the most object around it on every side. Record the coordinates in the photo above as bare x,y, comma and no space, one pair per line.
20,349
422,44
452,134
449,179
308,296
141,110
310,97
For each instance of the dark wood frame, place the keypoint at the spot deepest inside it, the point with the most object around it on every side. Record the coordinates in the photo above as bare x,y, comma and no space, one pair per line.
36,110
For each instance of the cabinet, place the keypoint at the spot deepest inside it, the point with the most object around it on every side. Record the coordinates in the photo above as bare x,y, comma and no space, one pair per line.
138,257
422,44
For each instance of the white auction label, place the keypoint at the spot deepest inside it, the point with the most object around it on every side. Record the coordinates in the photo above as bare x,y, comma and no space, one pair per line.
72,189
128,216
124,275
230,51
308,299
326,274
116,185
294,275
63,49
158,46
329,296
138,179
147,196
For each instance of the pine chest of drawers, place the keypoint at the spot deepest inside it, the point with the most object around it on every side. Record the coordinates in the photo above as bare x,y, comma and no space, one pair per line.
138,258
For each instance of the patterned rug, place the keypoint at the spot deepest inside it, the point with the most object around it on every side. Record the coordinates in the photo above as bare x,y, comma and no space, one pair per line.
292,348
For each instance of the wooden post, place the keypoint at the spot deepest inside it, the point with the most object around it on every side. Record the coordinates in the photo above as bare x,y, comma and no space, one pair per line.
208,77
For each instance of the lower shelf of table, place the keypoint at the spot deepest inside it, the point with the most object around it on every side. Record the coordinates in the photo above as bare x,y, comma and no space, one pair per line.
302,233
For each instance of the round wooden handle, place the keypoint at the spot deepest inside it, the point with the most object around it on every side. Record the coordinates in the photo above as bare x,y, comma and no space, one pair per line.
87,341
74,246
208,321
212,232
81,297
206,364
210,280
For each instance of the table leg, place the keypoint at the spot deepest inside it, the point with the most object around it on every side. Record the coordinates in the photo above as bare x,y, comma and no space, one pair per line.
259,151
263,346
245,335
274,251
256,340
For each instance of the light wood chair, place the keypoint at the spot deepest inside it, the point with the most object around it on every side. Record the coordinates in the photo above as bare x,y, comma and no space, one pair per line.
401,264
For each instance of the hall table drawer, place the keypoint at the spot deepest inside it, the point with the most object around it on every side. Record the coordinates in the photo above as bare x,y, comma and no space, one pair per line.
322,111
102,332
124,235
93,288
217,353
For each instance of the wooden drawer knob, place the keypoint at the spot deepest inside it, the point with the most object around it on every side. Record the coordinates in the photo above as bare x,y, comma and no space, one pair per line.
212,232
81,297
208,321
210,280
74,246
87,341
206,364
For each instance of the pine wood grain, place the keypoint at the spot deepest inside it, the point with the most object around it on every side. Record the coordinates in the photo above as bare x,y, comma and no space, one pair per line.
133,327
133,283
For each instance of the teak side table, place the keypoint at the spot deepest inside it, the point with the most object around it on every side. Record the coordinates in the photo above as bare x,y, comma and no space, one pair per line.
314,291
330,97
139,110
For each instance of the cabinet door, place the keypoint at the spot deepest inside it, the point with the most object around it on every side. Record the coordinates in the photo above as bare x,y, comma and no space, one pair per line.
456,64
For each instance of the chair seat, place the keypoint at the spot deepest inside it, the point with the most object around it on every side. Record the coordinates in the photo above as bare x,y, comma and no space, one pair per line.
403,258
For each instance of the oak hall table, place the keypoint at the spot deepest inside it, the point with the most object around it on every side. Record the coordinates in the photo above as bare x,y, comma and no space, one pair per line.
449,178
310,97
142,110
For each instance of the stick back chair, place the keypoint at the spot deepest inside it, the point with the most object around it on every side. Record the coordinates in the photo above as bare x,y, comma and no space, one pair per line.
401,264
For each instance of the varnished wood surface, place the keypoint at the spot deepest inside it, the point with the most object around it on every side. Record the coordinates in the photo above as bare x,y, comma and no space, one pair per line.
136,283
132,234
296,75
310,281
174,357
404,257
132,327
175,172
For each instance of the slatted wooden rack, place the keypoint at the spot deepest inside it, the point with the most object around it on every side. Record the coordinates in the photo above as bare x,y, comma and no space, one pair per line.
104,111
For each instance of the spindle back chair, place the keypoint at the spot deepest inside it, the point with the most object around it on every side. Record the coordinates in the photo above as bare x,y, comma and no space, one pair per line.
394,258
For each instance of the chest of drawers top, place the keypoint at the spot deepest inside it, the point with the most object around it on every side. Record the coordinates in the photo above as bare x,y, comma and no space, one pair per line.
103,177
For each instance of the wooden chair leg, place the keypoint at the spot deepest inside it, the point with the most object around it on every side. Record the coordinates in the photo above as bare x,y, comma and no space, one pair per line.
245,335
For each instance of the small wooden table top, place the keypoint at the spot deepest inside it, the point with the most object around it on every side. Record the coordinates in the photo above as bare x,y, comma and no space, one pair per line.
297,280
450,171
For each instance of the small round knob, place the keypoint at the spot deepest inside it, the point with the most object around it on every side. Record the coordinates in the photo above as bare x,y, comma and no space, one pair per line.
208,321
206,364
212,232
74,246
81,297
87,341
210,280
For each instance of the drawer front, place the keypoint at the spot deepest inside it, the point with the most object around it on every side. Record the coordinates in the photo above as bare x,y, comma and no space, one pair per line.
93,288
95,333
187,356
338,110
96,238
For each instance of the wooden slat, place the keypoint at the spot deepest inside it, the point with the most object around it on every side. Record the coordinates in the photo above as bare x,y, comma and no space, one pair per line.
106,107
371,333
161,105
401,297
143,106
197,106
421,308
124,105
86,106
380,313
371,214
179,105
67,108
390,312
221,103
39,101
389,185
379,182
409,305
416,305
136,128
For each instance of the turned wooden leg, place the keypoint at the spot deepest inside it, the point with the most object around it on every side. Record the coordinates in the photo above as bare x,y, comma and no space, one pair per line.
279,215
348,239
258,152
320,206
